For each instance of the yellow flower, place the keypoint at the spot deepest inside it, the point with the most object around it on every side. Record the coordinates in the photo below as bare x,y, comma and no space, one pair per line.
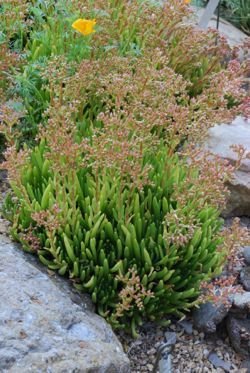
187,1
84,26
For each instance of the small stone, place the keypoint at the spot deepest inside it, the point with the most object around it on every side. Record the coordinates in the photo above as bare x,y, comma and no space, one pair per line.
246,253
171,338
242,300
150,367
187,326
206,352
208,316
245,278
152,351
218,362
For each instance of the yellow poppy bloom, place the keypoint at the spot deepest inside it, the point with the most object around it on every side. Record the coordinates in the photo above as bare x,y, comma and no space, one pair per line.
187,1
84,26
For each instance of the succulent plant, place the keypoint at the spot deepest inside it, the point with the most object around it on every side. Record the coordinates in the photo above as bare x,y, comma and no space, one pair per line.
115,243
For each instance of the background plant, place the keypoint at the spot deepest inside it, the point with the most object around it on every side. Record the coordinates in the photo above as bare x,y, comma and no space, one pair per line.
235,11
124,29
239,14
37,31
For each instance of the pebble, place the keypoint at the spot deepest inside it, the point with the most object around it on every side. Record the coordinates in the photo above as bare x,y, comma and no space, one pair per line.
206,352
152,351
218,362
150,367
187,326
171,338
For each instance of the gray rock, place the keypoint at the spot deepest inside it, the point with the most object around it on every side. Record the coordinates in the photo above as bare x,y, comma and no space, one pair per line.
44,326
187,326
239,200
218,362
220,139
245,278
171,338
246,253
242,301
208,316
239,334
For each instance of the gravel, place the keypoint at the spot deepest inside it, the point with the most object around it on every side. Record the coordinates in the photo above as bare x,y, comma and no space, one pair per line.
191,353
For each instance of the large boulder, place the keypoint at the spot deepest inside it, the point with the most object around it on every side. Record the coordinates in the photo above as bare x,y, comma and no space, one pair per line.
219,141
47,327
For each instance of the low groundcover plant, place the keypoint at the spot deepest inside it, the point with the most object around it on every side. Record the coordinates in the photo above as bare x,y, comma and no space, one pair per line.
139,252
115,194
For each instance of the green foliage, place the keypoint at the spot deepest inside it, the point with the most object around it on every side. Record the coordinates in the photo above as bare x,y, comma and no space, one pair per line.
98,231
38,31
238,12
29,86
